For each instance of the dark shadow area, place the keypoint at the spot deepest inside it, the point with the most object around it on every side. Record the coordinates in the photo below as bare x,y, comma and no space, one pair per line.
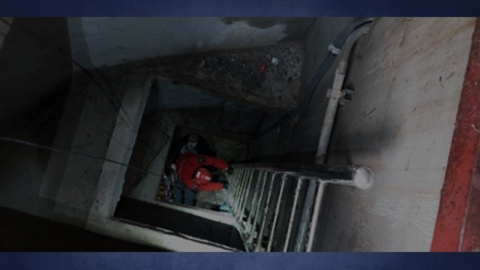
161,217
35,60
295,158
24,232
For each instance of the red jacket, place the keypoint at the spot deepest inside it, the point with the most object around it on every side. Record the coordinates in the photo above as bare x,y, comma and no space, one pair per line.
188,163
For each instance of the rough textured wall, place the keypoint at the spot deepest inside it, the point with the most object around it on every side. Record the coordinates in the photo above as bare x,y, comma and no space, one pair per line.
302,137
270,76
307,131
101,42
408,76
226,71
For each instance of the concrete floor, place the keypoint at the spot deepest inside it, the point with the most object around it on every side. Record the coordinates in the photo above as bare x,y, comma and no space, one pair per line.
408,76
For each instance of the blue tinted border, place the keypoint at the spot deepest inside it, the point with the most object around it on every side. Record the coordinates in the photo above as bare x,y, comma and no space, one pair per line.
284,8
250,261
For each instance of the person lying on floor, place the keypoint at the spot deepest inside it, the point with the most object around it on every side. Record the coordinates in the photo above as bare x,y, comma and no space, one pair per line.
193,176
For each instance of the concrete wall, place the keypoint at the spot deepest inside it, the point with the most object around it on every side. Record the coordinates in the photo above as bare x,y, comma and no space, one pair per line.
229,73
5,26
267,145
167,95
34,61
408,76
32,178
60,186
301,135
22,169
92,127
307,131
35,70
112,41
149,154
22,232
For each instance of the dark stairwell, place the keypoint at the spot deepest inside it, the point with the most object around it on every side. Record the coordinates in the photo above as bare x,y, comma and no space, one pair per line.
227,93
225,97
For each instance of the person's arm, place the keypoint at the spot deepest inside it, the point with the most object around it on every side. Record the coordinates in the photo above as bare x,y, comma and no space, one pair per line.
189,183
213,161
186,178
211,186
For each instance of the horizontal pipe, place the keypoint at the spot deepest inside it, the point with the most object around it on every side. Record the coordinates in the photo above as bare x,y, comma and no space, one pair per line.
361,177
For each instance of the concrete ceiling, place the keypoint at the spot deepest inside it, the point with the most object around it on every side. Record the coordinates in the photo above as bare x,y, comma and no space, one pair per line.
100,42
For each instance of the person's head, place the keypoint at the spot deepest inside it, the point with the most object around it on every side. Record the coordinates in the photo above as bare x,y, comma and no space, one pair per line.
202,176
192,141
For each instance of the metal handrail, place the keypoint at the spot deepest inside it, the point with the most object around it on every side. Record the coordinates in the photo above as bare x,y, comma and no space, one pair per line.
277,207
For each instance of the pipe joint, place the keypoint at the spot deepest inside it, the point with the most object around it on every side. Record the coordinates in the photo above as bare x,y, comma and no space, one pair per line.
334,94
334,50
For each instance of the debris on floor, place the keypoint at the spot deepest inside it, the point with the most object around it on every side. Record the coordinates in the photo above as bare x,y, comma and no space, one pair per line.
165,190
